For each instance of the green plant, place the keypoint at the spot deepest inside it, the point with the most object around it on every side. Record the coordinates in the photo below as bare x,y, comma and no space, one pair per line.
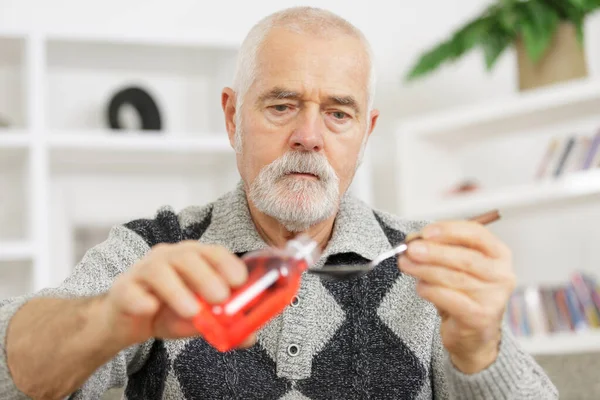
499,26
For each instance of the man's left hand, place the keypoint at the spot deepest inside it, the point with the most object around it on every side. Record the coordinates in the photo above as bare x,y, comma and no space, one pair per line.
466,273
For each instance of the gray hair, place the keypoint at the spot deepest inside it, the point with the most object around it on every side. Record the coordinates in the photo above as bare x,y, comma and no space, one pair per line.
296,19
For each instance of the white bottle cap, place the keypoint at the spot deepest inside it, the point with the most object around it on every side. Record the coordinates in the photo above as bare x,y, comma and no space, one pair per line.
303,247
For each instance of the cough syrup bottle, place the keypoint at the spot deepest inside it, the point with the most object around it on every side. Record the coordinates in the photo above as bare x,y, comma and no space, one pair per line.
274,277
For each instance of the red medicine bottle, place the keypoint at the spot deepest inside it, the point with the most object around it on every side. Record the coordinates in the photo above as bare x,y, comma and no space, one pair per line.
273,279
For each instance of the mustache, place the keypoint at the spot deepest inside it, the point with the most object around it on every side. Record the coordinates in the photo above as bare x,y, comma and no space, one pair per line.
302,162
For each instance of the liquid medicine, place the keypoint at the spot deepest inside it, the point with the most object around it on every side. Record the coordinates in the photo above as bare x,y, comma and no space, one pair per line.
274,277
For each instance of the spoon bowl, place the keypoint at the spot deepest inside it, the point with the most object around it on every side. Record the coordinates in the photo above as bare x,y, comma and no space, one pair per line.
342,272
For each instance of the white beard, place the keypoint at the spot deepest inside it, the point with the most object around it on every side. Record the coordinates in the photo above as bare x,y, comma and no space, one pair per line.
297,202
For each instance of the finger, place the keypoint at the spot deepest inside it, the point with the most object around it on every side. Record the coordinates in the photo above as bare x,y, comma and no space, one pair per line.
452,302
466,233
133,299
248,342
441,276
231,267
169,325
170,288
200,276
455,257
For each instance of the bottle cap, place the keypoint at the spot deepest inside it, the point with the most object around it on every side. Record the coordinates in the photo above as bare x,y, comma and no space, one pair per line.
303,247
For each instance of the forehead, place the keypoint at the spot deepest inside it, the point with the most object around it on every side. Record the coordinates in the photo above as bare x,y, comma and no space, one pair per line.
334,64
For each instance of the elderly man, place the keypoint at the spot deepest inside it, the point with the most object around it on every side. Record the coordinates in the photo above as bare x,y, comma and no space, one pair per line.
428,325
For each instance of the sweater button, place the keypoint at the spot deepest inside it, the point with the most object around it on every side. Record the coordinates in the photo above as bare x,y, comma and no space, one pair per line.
295,301
293,350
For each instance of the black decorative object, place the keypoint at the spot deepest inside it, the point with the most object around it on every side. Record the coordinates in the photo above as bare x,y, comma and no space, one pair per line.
139,99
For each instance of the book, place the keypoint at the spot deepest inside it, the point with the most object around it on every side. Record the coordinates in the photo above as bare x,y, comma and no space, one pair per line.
548,158
563,309
554,322
570,307
594,290
575,310
564,155
584,297
578,154
535,311
591,157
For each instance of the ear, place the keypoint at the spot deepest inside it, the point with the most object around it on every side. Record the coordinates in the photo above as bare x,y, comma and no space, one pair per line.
373,117
228,101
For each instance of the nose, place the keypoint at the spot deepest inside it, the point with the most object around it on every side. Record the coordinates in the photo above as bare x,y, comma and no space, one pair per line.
308,133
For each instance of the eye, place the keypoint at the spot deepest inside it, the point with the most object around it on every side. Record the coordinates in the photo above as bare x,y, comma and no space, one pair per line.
339,115
281,107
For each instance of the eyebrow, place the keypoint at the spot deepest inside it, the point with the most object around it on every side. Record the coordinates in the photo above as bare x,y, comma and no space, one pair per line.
279,93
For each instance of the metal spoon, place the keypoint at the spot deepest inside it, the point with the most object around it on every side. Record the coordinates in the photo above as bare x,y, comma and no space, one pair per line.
341,272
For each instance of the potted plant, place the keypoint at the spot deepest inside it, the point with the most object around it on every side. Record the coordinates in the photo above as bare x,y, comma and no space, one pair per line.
548,36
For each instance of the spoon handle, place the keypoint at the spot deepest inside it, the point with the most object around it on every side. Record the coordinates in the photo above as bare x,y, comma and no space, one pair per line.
484,219
487,217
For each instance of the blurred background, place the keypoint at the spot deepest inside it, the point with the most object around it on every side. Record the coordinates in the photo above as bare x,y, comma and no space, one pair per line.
505,113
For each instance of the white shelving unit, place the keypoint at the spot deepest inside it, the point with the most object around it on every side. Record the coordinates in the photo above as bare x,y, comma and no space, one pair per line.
12,140
62,170
16,251
551,224
138,142
575,187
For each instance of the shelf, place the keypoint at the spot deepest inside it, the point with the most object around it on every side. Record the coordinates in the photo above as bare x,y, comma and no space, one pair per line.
12,139
578,99
562,343
576,186
15,251
14,145
140,142
12,33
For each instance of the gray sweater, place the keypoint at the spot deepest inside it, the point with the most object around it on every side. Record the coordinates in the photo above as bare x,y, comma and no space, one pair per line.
371,337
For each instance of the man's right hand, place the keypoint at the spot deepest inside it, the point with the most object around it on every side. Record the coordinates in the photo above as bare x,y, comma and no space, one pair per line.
156,297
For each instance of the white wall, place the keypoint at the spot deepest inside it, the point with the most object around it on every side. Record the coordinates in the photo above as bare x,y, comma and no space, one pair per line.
398,30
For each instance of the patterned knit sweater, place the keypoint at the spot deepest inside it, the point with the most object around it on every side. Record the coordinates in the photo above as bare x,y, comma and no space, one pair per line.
368,338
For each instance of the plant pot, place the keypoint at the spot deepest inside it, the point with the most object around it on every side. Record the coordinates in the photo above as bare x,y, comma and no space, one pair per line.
564,60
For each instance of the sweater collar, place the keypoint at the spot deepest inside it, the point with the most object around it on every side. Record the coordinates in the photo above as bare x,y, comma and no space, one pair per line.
355,230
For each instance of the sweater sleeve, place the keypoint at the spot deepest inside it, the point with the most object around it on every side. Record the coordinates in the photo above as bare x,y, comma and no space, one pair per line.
514,375
92,276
